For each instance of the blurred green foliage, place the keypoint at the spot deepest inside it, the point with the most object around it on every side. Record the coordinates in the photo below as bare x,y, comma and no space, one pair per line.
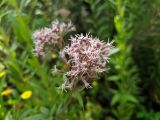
130,89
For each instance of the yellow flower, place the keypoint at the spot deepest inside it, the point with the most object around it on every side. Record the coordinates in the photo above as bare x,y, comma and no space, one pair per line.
7,92
2,73
53,56
94,83
26,95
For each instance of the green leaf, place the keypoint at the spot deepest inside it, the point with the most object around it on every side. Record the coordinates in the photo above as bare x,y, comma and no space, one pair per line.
44,110
114,51
13,3
24,3
80,100
113,78
115,99
9,116
34,117
131,98
25,114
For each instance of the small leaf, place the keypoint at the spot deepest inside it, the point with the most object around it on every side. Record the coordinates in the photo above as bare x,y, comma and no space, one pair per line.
115,99
130,98
113,78
80,100
114,51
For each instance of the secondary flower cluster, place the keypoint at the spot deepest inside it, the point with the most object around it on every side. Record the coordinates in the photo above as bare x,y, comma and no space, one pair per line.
86,57
50,37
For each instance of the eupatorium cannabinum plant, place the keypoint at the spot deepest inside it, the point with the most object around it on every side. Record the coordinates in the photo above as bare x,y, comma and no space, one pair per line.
85,56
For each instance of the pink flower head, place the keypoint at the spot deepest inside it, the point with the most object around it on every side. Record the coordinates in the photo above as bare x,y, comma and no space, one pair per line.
86,57
50,37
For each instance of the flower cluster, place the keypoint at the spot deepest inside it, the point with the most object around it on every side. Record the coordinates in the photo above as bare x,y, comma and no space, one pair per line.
50,37
85,57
